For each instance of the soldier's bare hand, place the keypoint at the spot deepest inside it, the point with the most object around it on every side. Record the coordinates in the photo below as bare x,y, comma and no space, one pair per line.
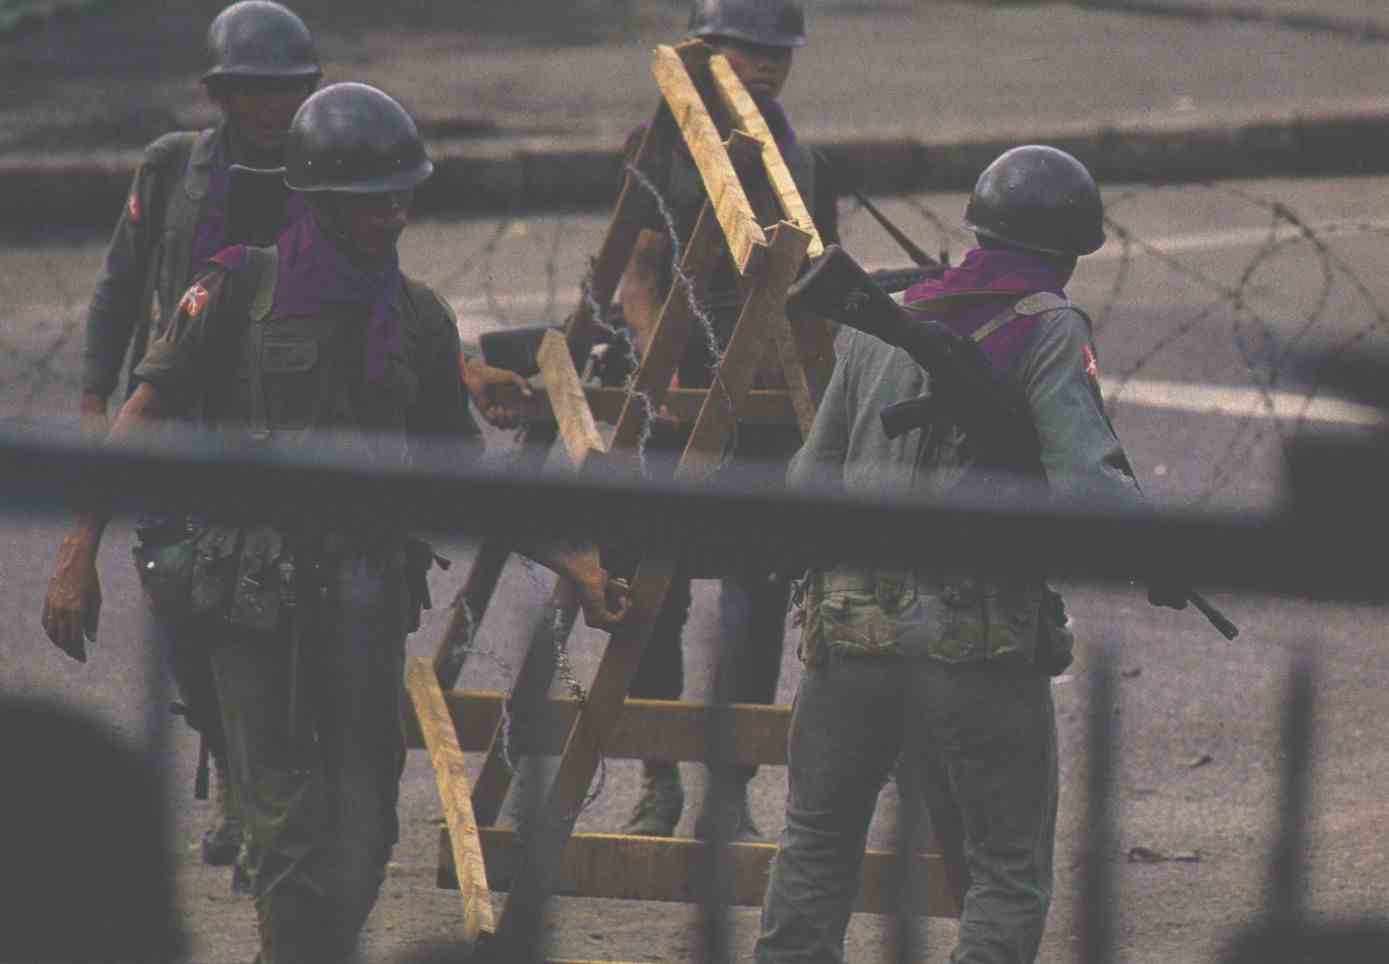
605,601
95,424
72,608
482,382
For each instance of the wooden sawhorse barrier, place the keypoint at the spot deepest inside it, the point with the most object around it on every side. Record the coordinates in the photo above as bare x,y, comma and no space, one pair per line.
747,185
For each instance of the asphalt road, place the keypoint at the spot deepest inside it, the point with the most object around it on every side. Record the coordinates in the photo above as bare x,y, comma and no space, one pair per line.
1202,320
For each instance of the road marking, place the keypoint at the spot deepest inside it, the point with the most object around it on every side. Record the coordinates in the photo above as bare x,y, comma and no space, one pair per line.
1231,402
1234,238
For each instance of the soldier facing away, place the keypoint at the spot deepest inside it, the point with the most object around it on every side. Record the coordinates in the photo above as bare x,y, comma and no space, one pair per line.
305,613
943,667
758,38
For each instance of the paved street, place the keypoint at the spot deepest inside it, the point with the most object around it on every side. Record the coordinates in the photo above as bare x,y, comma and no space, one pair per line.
1202,319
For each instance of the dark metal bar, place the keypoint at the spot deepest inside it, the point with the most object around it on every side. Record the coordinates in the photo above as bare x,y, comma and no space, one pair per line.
1303,551
1286,871
1097,906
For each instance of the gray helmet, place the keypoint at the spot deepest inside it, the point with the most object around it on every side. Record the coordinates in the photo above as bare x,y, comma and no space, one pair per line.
771,23
356,139
1038,198
260,39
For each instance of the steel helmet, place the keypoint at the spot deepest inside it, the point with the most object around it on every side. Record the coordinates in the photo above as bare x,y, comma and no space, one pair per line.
1039,198
258,38
771,23
356,139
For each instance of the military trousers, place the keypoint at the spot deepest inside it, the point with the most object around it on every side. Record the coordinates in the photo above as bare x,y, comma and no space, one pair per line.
981,742
316,747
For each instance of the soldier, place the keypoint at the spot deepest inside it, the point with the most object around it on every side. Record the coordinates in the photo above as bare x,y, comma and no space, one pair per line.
305,613
948,668
758,38
176,217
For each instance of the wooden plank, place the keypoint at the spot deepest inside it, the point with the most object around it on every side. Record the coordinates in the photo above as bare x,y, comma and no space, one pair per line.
587,737
577,429
744,236
748,118
671,334
470,603
645,729
626,223
623,867
750,340
529,688
806,352
447,758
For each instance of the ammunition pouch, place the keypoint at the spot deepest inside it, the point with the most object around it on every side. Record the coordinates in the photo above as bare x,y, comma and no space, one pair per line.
951,617
164,558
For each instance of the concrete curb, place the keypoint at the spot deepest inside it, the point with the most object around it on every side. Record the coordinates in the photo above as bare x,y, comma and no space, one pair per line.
487,178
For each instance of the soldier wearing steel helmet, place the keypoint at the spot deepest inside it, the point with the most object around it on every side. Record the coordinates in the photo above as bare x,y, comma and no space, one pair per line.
264,64
943,672
758,37
305,613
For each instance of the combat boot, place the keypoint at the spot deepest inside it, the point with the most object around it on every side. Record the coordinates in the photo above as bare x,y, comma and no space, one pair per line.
735,815
662,798
222,840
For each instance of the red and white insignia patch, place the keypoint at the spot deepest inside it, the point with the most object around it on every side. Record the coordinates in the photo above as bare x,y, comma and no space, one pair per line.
194,301
132,208
1092,366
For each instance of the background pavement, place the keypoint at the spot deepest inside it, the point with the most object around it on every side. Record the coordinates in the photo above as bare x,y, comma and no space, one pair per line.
904,96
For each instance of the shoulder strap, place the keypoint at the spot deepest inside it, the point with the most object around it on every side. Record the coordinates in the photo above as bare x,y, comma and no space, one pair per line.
250,299
1034,304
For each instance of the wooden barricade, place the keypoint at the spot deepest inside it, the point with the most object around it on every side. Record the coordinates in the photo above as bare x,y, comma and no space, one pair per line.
753,216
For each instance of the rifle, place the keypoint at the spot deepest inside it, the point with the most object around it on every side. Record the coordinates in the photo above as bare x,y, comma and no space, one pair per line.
964,387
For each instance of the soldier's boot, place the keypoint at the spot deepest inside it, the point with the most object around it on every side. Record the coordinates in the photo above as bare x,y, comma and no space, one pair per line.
222,840
735,815
662,798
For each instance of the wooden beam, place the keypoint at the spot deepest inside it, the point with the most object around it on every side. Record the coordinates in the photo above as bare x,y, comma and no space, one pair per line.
744,236
749,342
623,867
590,731
748,119
670,337
444,753
633,202
529,688
577,429
645,729
806,351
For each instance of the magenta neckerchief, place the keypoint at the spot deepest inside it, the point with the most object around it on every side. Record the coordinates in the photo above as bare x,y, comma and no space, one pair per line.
981,286
315,274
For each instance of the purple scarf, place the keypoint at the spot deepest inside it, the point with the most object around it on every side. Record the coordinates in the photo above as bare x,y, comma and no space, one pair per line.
974,292
314,273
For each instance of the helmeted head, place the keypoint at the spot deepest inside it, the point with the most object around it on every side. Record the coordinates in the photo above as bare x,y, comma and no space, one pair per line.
359,156
260,39
768,23
1038,198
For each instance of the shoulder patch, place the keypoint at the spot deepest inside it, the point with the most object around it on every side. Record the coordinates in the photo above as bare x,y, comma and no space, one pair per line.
1092,365
194,301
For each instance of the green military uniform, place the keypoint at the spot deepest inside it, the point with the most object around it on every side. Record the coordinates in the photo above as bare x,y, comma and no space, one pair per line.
945,668
305,616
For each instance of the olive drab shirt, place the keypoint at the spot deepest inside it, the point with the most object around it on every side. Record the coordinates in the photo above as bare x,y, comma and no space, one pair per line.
148,260
950,614
677,180
280,378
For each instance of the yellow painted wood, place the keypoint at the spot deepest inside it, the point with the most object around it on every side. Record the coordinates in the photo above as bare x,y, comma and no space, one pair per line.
441,740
